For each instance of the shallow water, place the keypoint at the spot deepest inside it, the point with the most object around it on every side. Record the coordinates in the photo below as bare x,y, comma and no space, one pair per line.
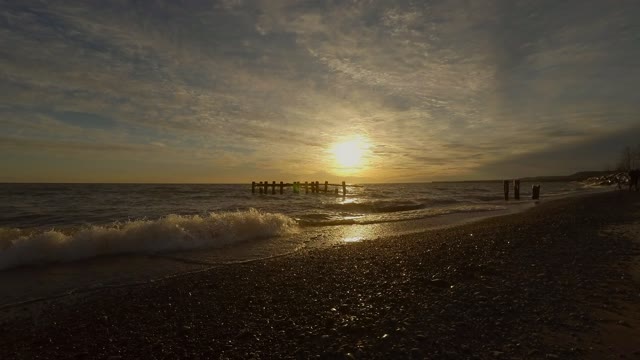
46,223
135,233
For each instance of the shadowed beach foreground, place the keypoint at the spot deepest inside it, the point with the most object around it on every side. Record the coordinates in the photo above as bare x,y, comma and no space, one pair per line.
558,281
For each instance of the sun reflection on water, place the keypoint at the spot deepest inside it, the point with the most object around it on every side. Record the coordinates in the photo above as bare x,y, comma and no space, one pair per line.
358,233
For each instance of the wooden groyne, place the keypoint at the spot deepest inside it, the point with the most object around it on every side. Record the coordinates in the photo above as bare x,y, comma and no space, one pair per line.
315,187
535,190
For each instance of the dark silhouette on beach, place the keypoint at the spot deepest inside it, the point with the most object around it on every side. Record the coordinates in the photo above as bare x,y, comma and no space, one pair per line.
633,179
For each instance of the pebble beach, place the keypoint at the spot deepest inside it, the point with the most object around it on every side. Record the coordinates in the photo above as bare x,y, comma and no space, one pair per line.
558,281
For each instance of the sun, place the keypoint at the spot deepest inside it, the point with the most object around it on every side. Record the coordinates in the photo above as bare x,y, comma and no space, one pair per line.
349,154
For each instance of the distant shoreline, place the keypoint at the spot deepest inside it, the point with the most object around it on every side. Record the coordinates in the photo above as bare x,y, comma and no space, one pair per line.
579,176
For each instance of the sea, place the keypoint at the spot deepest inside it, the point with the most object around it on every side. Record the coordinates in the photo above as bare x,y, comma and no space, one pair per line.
67,238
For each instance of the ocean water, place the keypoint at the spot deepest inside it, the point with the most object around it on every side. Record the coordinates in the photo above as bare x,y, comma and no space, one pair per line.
62,239
49,223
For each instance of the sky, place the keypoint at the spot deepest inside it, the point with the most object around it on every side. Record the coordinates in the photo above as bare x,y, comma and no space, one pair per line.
232,91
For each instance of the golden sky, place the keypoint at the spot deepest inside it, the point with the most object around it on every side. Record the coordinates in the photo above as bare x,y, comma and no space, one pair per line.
368,91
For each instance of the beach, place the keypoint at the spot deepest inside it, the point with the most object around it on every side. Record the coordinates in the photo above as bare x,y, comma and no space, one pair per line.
560,280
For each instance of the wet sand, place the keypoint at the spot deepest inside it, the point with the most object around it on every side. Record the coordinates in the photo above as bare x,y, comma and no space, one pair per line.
557,281
35,283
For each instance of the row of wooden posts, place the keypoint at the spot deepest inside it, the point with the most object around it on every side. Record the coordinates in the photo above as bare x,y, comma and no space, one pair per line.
535,190
314,186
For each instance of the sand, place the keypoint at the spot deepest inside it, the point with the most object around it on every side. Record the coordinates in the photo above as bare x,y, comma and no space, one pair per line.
557,281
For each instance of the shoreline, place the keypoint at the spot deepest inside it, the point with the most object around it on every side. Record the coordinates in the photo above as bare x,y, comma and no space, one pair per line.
39,243
503,287
106,271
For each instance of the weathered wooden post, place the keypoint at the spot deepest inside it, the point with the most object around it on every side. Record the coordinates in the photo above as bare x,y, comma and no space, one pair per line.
516,189
506,190
344,189
260,187
273,188
253,187
535,192
306,187
317,187
281,187
326,185
266,187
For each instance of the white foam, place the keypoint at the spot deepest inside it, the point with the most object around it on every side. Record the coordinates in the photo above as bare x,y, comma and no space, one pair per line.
170,233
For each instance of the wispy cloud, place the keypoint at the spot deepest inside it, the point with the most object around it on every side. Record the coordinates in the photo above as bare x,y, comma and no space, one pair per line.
443,89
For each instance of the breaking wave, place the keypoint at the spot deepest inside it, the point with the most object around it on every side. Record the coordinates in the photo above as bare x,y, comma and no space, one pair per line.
377,206
407,213
389,206
170,233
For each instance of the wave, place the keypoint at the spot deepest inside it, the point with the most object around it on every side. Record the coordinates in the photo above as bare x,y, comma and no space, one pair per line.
438,201
391,206
377,206
421,213
170,233
484,198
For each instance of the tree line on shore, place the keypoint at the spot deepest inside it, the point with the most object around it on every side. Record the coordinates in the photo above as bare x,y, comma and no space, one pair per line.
629,158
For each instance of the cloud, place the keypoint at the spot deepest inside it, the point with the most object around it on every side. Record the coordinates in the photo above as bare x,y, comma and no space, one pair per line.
596,153
441,88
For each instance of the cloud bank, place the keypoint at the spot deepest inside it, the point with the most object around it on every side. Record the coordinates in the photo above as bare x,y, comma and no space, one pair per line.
225,91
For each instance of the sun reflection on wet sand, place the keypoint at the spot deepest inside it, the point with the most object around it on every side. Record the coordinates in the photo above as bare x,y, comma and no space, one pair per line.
356,233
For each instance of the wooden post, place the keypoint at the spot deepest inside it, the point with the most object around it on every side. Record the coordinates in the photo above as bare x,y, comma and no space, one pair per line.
273,188
506,190
306,187
326,185
344,189
317,187
281,188
266,187
253,187
260,187
516,189
535,192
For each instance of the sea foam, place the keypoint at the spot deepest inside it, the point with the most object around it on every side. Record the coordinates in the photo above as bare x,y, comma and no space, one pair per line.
170,233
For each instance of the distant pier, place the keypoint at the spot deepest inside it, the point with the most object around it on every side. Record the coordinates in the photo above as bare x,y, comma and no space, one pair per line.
314,187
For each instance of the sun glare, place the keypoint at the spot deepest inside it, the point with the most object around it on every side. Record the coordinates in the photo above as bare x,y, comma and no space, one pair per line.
349,154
